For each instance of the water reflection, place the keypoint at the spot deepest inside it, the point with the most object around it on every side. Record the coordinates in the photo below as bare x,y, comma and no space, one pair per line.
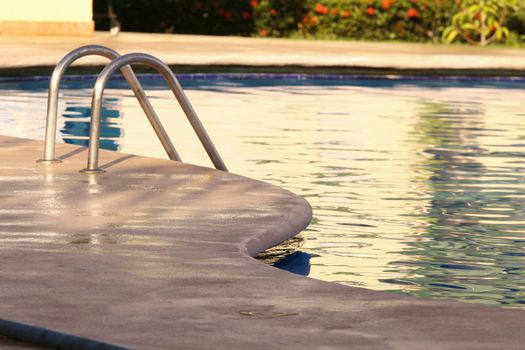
476,207
76,124
417,187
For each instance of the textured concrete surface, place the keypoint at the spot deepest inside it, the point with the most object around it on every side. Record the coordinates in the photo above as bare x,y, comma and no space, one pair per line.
155,254
215,50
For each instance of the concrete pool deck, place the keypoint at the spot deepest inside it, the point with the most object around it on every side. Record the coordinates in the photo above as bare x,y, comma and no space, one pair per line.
195,50
156,254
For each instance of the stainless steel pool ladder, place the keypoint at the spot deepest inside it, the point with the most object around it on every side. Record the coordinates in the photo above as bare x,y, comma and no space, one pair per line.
122,63
173,83
129,75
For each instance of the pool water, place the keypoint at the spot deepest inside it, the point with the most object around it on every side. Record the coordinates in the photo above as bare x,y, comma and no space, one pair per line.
417,187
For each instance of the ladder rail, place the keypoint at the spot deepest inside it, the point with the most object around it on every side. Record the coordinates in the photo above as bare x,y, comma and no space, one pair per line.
173,83
131,78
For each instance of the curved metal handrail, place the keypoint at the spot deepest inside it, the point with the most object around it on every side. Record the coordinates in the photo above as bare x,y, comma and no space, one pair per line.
129,75
173,83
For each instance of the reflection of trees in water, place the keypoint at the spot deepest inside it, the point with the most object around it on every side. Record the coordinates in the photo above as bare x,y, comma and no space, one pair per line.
471,249
76,126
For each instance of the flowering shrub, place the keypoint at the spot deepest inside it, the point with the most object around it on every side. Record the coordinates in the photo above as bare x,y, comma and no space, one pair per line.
411,20
275,17
414,20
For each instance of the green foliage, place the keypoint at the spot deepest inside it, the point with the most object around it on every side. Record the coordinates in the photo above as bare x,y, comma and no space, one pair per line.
480,22
515,22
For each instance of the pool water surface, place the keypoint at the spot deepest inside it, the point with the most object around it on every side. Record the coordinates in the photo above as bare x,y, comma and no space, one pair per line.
417,187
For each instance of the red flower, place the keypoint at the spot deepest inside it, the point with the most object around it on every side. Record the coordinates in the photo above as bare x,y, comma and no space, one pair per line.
306,19
314,20
320,8
263,32
334,12
254,3
246,15
386,4
345,14
371,11
273,12
412,12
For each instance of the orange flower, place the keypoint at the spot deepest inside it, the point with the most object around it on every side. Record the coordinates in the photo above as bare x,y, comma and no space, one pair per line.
334,12
254,3
386,4
371,11
314,20
263,32
345,14
321,9
412,12
273,12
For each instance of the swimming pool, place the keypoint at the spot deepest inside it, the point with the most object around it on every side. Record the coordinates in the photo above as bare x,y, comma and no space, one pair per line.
417,185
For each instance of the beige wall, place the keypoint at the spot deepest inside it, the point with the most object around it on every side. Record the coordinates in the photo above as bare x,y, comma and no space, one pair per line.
46,17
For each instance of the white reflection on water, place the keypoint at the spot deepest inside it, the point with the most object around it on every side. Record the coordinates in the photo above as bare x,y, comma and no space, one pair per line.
415,188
